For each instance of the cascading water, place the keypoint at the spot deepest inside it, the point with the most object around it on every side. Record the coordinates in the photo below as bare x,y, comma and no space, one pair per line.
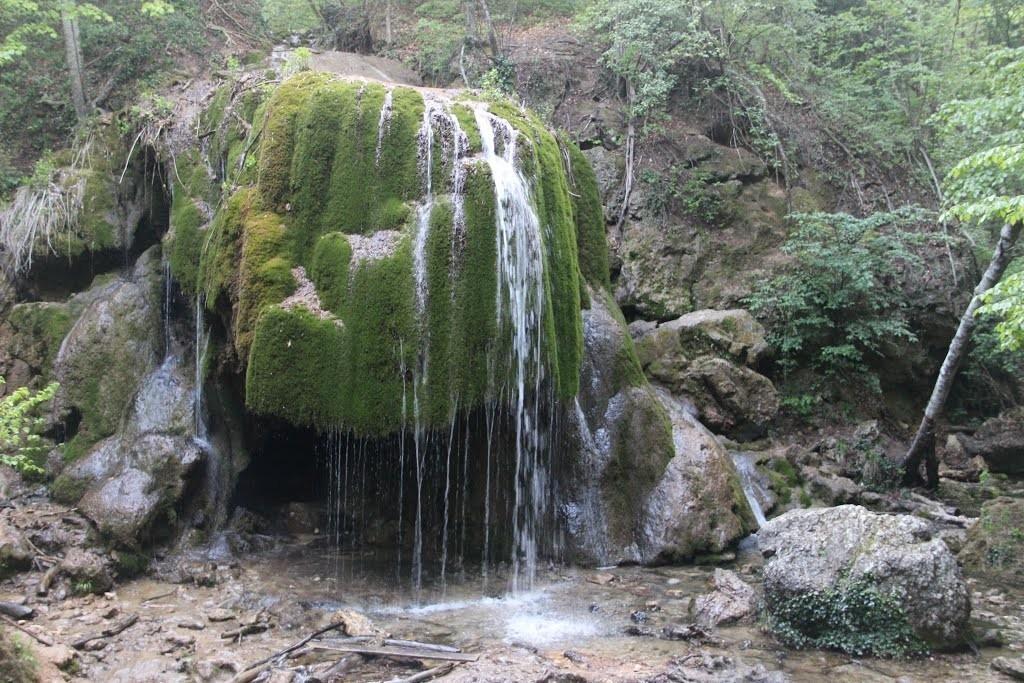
521,290
753,489
496,456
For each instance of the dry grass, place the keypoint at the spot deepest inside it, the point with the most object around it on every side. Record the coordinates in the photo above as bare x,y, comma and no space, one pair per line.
42,214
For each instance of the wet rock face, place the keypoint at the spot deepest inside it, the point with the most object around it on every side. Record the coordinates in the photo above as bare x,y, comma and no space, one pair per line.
820,550
730,601
130,484
709,357
648,483
110,349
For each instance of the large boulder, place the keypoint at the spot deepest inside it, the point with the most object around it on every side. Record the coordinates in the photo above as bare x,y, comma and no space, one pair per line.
131,485
708,357
15,553
111,347
995,544
1000,441
883,582
646,484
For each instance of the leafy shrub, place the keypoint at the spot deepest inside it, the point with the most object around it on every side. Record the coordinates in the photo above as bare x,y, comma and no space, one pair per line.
856,618
681,190
838,302
20,444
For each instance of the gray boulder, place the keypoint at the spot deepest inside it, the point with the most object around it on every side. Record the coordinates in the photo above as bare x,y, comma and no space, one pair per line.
1000,441
818,550
708,357
647,484
731,600
15,554
111,347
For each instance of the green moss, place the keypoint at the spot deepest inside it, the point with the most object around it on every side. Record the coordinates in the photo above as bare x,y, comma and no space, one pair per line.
467,121
320,155
278,143
129,564
857,618
68,490
329,270
185,239
265,276
40,328
222,249
588,212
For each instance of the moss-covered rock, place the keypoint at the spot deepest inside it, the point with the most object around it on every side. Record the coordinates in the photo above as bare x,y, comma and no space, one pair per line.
340,185
995,544
110,349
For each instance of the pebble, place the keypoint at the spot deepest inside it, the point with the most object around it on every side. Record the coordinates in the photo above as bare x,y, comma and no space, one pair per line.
216,615
192,624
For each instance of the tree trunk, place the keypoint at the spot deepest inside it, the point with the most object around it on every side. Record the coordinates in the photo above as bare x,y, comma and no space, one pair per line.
492,35
922,448
73,54
627,190
387,23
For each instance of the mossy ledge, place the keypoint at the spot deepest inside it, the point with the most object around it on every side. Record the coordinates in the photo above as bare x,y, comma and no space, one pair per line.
338,190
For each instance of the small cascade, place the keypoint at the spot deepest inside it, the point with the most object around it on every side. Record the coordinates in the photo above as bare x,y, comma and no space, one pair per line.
521,291
384,125
202,342
753,489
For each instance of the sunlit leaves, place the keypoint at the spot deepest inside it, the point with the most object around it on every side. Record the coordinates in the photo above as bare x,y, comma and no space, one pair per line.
20,426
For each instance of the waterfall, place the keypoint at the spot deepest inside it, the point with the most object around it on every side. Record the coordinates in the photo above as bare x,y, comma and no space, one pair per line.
520,266
746,467
384,125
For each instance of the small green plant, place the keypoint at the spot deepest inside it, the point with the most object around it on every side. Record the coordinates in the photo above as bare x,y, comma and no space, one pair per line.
299,60
682,190
800,405
17,665
21,445
856,618
84,587
500,79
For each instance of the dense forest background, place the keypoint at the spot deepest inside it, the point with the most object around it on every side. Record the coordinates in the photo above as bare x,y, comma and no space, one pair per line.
892,128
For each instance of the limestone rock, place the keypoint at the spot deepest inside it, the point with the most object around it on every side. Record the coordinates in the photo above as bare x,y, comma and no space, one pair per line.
731,334
831,489
1000,441
1010,666
698,505
110,349
706,356
731,600
15,554
127,489
644,487
87,570
819,549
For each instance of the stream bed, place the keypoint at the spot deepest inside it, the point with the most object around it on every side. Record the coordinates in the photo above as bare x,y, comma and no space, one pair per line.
603,624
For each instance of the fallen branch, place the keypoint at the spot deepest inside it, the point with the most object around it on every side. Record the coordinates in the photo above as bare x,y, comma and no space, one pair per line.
153,598
427,675
43,640
114,630
399,652
292,648
395,642
247,630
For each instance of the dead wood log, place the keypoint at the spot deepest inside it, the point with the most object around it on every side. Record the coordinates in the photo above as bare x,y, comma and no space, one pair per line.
110,632
43,640
399,652
427,675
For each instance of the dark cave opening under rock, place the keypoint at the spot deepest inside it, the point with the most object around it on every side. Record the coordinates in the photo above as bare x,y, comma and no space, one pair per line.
367,495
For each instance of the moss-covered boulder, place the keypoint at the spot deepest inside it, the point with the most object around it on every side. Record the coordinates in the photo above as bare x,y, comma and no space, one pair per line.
115,342
383,198
995,544
647,484
865,583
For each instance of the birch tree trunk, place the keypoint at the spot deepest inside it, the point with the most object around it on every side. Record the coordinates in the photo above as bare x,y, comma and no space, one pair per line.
73,55
492,34
922,448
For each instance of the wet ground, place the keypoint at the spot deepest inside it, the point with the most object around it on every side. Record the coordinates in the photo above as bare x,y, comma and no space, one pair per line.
574,625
